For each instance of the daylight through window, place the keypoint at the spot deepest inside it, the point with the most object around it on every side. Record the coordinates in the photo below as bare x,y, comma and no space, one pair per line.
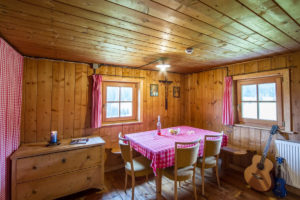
259,100
120,101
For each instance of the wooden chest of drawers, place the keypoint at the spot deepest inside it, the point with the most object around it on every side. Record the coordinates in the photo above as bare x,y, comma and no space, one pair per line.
40,172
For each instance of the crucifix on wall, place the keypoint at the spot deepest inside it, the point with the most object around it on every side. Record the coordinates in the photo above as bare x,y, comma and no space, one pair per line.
167,83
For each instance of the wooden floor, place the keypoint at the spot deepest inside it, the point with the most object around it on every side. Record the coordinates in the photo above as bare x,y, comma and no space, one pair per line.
232,187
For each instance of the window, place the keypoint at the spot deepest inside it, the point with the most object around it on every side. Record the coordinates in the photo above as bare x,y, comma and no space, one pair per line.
119,101
260,101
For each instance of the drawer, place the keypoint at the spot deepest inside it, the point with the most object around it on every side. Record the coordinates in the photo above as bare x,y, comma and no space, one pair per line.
41,166
61,185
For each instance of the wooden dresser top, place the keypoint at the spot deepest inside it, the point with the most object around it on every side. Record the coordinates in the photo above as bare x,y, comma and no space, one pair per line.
34,149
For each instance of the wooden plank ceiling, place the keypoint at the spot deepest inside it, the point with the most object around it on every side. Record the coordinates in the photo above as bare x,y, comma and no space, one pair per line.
136,32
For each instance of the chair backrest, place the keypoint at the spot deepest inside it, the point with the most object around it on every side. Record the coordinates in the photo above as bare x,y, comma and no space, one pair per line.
186,153
212,145
126,151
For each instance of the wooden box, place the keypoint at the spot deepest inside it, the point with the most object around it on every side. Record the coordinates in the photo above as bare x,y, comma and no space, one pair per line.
40,172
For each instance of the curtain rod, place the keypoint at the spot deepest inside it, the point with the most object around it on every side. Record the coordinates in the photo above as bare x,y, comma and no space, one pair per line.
226,67
269,70
118,76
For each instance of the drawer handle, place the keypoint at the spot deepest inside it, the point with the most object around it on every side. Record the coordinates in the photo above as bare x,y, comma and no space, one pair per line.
34,167
88,157
33,191
88,178
64,160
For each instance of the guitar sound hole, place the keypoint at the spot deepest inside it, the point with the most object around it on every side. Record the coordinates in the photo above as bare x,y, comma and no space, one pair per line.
260,166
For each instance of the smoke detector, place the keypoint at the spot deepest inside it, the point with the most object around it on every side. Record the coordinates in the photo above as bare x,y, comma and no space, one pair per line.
189,50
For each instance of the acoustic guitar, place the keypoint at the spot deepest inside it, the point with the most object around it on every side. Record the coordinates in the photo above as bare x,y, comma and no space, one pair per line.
257,175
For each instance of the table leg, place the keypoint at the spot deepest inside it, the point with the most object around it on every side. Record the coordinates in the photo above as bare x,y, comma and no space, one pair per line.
158,183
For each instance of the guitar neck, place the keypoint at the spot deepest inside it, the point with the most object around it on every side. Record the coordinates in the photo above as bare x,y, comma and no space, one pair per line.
265,153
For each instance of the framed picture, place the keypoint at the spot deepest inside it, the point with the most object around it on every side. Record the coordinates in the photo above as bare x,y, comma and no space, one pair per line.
176,92
153,90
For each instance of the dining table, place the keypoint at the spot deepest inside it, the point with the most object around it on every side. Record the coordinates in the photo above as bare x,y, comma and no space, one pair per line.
160,149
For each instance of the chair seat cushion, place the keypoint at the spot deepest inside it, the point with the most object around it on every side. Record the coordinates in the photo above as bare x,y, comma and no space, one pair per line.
141,166
209,162
183,174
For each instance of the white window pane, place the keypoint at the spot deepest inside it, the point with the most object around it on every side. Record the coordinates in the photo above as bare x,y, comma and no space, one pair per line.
112,93
126,109
267,111
249,93
112,110
126,94
249,110
267,92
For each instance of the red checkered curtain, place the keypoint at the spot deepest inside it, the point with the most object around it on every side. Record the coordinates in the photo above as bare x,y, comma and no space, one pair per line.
227,115
96,102
11,70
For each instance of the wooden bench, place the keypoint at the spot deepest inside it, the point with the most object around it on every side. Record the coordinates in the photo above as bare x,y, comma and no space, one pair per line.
231,153
114,159
234,150
116,150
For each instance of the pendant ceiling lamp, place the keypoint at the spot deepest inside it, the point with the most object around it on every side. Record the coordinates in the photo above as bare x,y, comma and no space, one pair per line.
163,66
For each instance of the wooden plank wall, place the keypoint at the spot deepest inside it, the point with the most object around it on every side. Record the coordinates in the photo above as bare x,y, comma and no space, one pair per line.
57,96
203,99
204,94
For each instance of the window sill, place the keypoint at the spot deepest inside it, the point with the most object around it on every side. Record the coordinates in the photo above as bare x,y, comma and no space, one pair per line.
120,123
267,128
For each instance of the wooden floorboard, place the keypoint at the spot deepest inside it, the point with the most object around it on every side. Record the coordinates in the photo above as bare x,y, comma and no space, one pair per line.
232,187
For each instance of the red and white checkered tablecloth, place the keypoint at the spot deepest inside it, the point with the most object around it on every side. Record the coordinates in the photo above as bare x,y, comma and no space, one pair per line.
160,149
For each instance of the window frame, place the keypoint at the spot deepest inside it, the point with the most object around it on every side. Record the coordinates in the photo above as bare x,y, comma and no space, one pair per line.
279,103
120,84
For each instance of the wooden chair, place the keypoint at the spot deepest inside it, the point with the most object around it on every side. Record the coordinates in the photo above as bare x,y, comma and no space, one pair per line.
134,167
185,164
211,151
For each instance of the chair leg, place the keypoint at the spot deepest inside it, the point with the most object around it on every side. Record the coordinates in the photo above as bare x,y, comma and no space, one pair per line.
217,175
132,186
202,174
175,189
179,184
125,182
147,178
194,184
